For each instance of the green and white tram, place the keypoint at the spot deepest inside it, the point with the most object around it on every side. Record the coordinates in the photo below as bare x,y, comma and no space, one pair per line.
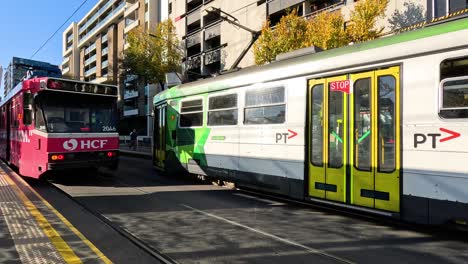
380,126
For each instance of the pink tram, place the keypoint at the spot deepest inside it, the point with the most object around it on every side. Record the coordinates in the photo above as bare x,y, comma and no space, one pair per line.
56,124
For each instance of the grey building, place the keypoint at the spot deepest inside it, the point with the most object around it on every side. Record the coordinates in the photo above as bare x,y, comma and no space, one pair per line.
20,68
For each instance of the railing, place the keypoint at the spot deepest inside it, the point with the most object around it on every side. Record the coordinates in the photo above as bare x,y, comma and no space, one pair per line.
65,70
104,64
90,48
69,38
104,51
104,39
90,71
194,39
194,62
194,16
90,60
104,21
96,15
213,56
325,9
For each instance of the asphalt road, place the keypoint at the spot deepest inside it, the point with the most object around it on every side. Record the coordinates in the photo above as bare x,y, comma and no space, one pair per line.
195,222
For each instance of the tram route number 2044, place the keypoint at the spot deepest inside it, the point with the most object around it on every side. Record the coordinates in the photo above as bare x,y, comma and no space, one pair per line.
108,129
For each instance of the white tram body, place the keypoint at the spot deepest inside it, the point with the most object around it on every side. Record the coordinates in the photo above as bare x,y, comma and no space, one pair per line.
428,149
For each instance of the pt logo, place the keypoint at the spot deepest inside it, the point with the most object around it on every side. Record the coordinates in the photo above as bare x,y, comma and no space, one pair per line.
422,138
70,145
285,136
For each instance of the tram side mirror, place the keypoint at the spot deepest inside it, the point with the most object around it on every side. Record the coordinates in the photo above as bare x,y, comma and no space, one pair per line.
27,108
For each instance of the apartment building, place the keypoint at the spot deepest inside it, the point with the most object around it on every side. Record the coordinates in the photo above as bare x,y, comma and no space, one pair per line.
213,45
94,46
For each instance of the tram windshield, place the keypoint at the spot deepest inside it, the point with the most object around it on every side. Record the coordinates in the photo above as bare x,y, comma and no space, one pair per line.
75,113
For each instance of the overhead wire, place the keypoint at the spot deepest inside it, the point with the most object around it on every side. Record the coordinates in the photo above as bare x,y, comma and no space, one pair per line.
58,29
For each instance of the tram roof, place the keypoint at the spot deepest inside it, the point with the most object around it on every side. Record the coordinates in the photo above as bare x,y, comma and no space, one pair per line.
256,74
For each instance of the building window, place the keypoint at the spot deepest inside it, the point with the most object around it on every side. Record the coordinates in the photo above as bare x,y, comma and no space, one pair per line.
265,106
454,88
191,113
222,110
444,7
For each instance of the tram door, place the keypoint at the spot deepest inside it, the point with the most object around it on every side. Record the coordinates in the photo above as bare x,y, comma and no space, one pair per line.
159,144
354,149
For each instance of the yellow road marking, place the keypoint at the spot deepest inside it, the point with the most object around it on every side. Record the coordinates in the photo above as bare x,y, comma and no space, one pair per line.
67,223
62,247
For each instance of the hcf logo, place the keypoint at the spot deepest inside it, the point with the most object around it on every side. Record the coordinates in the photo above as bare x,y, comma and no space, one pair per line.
422,138
72,144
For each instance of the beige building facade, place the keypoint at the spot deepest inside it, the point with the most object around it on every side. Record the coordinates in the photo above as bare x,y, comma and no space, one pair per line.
213,45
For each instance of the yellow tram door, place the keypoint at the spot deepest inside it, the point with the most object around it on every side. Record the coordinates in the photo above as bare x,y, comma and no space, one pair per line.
327,140
375,139
159,136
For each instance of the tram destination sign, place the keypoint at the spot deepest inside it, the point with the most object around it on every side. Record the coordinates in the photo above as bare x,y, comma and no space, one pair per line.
79,87
341,86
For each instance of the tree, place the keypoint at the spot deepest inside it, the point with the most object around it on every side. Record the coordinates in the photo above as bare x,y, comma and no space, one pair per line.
153,54
413,14
326,31
288,35
364,20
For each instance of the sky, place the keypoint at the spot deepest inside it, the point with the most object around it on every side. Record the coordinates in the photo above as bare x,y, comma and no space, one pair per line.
26,24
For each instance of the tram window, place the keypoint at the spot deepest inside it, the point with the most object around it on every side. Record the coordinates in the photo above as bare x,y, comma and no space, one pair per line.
27,108
362,124
316,126
335,130
454,85
222,110
191,113
265,106
386,124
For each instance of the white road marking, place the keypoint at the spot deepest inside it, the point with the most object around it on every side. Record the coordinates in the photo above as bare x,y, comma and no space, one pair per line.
284,240
269,202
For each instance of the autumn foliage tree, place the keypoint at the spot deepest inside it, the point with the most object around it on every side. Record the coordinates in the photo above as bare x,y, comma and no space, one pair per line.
151,55
363,24
326,30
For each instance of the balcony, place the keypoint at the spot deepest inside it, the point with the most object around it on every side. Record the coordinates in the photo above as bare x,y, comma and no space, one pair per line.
104,64
66,70
194,62
105,51
278,5
103,22
90,60
213,56
193,40
129,25
129,8
65,60
70,38
90,49
194,17
104,39
213,32
101,11
90,71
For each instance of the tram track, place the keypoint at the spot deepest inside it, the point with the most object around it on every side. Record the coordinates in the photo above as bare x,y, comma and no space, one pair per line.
128,235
